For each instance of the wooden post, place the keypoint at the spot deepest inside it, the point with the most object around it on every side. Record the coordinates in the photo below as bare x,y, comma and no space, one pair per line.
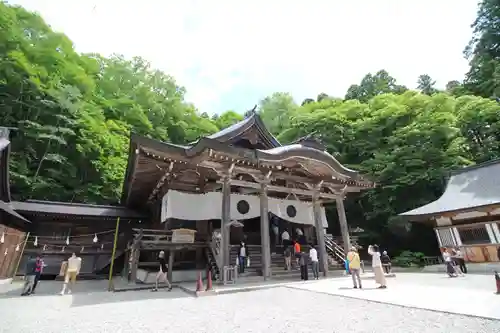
136,248
264,233
20,257
110,279
170,264
320,235
126,264
344,229
225,245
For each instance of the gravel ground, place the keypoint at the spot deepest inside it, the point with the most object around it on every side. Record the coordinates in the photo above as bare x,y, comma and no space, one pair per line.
272,310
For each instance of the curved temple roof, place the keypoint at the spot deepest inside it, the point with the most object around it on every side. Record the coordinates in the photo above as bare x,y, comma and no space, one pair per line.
304,158
471,187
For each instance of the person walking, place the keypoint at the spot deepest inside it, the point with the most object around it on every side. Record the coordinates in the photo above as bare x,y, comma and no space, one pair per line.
29,276
354,267
303,261
288,258
386,262
373,250
459,256
38,270
450,269
162,272
313,255
72,271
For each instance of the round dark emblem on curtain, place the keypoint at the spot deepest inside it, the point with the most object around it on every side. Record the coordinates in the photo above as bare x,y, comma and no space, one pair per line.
243,207
291,211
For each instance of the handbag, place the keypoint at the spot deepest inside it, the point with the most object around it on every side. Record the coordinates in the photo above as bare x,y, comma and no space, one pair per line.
237,261
248,261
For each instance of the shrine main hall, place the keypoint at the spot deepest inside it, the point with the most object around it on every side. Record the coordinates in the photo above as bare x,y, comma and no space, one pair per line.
197,201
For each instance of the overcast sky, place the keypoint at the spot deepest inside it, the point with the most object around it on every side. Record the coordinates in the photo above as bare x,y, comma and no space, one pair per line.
230,54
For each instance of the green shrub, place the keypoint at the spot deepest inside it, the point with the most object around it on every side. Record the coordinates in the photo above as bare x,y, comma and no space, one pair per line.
408,259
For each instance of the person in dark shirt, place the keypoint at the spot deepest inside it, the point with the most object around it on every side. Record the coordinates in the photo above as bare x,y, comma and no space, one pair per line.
38,272
386,262
162,273
303,261
288,258
29,276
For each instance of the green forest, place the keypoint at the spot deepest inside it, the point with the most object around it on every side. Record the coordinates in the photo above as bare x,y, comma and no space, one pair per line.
74,114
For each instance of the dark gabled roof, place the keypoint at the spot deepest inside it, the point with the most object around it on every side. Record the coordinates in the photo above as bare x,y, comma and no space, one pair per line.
468,188
7,208
235,130
76,209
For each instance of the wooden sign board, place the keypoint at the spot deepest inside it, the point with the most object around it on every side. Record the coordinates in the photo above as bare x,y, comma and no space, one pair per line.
183,236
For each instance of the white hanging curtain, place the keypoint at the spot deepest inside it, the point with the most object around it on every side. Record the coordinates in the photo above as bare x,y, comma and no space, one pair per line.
208,206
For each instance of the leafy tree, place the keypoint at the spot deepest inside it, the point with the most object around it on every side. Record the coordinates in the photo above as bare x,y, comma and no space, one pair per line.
373,85
426,84
483,51
276,111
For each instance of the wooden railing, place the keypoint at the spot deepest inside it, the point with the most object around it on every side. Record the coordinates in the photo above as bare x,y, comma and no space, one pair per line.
334,249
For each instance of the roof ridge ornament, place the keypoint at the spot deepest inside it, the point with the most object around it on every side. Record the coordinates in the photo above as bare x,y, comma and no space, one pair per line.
252,112
312,140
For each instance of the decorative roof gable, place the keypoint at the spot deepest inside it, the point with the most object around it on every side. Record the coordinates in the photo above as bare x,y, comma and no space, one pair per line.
248,133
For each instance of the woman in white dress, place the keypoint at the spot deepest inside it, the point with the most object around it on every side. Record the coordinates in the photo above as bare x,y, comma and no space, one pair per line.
373,250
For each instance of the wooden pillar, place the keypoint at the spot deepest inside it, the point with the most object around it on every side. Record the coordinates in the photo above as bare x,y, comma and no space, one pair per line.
344,229
320,235
170,264
224,225
136,248
126,264
264,233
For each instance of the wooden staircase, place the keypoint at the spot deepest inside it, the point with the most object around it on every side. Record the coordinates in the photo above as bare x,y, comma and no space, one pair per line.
277,263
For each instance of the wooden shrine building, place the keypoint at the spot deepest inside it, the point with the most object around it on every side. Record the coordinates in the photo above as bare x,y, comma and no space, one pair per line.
196,202
467,215
13,226
237,177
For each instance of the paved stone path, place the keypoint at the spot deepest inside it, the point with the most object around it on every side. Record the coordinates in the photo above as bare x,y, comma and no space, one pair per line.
471,295
311,308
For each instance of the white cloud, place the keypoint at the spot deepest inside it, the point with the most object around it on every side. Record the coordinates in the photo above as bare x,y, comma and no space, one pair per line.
305,47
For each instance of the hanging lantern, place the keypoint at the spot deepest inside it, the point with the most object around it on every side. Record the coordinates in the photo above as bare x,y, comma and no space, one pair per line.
36,241
44,247
102,246
95,240
2,239
17,248
67,240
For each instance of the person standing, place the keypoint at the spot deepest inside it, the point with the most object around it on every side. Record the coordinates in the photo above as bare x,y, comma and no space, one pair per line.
162,272
354,267
29,276
38,271
288,258
297,252
242,257
386,262
303,261
373,250
450,270
459,256
313,255
72,271
285,238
